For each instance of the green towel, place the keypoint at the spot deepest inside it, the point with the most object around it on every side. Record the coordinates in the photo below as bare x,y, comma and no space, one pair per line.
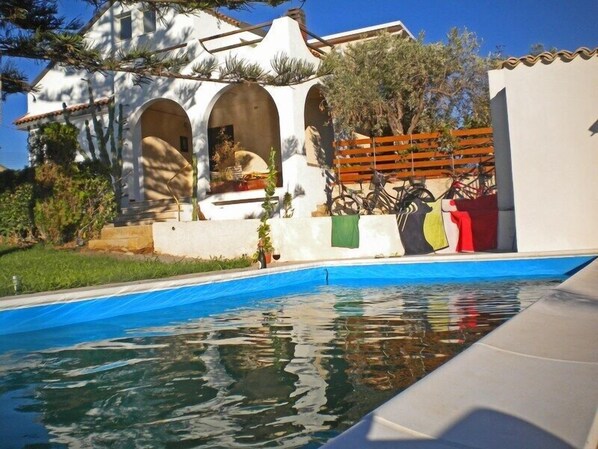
434,228
345,231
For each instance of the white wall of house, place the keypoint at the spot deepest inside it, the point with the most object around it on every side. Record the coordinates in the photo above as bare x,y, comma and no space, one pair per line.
545,118
197,99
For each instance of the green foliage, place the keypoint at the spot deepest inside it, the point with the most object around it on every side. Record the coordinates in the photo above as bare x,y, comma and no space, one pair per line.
205,67
16,221
224,153
287,205
109,143
54,142
268,206
394,84
54,203
237,69
73,203
446,140
11,179
43,269
289,70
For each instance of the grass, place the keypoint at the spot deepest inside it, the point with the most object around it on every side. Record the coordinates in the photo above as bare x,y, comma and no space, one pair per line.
42,269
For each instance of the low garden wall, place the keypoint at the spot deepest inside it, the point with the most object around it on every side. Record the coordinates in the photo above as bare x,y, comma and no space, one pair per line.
295,239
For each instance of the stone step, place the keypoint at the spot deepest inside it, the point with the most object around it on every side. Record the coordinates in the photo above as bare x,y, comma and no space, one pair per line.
145,218
131,244
152,208
121,222
111,232
136,239
163,204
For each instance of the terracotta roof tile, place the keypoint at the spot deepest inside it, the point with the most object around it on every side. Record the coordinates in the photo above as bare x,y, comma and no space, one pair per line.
74,108
225,18
549,57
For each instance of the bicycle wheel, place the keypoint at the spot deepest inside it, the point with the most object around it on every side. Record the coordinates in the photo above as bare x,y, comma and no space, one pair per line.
422,194
344,205
376,204
459,194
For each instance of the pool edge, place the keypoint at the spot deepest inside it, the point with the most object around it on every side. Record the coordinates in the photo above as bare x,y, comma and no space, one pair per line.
501,391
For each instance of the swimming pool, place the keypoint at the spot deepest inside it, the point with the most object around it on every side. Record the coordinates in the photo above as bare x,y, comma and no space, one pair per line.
35,312
289,368
287,371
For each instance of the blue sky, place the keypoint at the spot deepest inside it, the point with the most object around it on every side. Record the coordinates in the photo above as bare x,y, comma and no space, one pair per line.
513,25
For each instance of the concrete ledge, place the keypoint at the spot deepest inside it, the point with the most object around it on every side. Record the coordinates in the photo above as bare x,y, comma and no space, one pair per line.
532,383
295,239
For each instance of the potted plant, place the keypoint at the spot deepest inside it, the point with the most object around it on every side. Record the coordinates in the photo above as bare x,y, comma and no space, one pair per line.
263,230
228,172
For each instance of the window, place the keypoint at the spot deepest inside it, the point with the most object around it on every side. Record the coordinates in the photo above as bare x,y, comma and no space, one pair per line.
184,144
149,21
125,26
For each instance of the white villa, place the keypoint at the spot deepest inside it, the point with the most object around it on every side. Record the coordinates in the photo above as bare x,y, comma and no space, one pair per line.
173,118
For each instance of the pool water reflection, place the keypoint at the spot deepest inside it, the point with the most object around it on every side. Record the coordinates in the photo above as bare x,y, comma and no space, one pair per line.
290,371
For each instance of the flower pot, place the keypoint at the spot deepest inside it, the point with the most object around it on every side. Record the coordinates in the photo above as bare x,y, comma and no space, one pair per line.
256,184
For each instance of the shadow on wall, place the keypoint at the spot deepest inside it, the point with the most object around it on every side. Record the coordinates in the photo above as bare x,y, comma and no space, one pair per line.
594,128
161,162
290,148
482,427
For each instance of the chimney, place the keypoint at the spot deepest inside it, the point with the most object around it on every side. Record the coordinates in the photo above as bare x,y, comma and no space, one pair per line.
298,15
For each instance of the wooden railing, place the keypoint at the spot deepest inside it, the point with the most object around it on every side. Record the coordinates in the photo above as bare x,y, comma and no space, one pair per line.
426,155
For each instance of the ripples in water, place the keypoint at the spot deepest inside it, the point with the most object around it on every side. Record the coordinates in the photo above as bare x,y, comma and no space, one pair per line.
288,372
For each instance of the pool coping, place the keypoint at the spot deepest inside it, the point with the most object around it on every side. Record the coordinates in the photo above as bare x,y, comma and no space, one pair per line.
532,382
119,289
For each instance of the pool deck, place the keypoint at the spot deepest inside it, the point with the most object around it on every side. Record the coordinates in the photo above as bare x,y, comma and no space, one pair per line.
532,383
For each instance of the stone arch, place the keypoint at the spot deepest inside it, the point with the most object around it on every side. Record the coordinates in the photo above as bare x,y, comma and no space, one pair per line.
166,150
319,133
248,115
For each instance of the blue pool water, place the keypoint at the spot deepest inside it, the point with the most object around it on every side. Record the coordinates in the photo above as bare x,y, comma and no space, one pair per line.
264,283
289,366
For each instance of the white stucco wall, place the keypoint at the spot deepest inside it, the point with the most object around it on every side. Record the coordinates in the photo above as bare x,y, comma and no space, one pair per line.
196,98
295,239
543,118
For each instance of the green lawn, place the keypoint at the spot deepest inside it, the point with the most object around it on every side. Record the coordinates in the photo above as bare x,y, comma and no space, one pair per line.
43,269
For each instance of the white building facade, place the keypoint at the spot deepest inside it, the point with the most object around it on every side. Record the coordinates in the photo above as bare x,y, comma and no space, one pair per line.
171,121
545,120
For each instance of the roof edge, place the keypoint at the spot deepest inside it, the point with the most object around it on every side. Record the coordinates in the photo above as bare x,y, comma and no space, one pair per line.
80,107
347,36
549,57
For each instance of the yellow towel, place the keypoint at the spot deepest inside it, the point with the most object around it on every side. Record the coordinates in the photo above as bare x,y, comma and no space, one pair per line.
434,228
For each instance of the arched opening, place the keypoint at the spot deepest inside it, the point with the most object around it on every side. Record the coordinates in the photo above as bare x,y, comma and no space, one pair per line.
242,127
166,148
319,133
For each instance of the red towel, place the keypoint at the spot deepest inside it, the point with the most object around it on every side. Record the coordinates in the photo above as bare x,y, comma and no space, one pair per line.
477,221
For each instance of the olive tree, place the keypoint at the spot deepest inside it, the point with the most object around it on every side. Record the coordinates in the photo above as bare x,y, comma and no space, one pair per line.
398,85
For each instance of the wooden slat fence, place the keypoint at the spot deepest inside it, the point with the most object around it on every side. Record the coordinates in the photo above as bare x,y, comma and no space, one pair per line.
399,157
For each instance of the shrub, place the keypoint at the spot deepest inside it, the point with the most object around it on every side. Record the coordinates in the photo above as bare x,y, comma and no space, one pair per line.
54,142
11,179
71,203
16,221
